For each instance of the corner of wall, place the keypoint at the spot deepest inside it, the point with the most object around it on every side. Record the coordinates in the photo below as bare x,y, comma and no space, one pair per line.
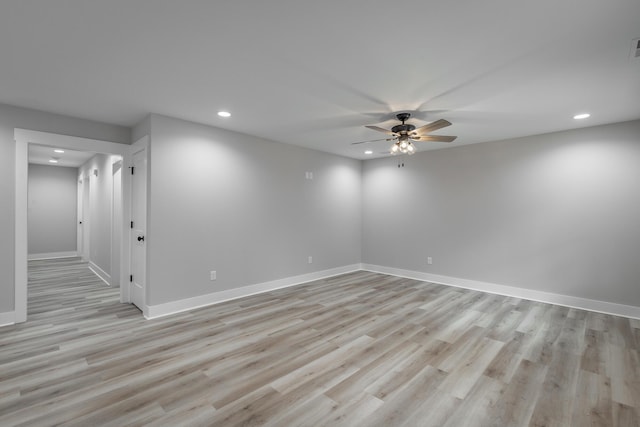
7,318
141,129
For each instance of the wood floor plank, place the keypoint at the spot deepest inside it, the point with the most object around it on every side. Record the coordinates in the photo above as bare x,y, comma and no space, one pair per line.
520,397
476,409
463,377
593,401
355,411
359,349
407,399
351,387
625,416
506,362
624,369
554,406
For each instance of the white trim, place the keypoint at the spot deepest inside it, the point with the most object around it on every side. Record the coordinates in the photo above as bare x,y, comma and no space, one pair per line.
20,218
511,291
23,138
173,307
106,278
7,318
53,255
116,168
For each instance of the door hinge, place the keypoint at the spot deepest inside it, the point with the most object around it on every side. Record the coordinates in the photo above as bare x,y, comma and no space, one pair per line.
131,278
131,224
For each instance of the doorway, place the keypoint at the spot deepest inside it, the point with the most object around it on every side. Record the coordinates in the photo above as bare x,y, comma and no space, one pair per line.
23,139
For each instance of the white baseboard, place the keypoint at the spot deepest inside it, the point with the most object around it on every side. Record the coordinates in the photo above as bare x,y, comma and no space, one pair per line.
106,278
511,291
52,255
173,307
7,318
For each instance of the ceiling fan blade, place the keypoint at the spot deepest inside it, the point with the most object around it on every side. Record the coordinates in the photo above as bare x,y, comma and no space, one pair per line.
438,124
379,129
373,140
435,138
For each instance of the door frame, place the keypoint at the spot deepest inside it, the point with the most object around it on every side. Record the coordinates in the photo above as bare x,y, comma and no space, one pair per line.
116,214
140,145
80,217
24,137
84,250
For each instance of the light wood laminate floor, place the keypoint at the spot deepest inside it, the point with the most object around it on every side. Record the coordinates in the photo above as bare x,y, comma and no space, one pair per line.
361,349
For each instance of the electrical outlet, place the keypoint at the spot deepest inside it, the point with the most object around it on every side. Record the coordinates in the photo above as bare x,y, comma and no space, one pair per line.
429,260
212,275
308,175
310,260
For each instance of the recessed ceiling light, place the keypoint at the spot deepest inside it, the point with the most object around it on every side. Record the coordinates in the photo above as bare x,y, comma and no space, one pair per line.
58,151
53,161
368,152
224,114
581,116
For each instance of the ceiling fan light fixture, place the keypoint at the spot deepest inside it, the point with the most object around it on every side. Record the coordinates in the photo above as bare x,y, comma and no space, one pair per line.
403,147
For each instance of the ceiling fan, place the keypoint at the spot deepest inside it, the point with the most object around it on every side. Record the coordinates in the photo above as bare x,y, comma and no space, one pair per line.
404,134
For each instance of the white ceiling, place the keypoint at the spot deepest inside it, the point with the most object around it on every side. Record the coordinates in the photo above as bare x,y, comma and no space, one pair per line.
41,154
314,73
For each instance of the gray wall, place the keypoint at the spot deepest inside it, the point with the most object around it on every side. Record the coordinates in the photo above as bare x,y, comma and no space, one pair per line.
556,213
241,205
143,128
100,205
14,117
53,209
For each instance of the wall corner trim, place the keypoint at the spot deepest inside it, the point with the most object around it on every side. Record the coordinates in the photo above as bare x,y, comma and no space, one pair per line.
511,291
106,278
7,318
174,307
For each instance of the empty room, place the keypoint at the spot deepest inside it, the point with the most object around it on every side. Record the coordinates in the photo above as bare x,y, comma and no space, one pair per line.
353,213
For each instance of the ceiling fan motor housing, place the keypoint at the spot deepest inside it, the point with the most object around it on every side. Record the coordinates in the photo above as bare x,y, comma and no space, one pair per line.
403,128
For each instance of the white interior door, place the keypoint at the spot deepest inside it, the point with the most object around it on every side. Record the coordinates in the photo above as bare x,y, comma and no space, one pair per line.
138,228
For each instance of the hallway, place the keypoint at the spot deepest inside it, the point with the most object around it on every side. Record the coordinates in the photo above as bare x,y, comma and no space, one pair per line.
63,289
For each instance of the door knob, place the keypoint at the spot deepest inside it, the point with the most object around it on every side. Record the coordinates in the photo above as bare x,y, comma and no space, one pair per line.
140,238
